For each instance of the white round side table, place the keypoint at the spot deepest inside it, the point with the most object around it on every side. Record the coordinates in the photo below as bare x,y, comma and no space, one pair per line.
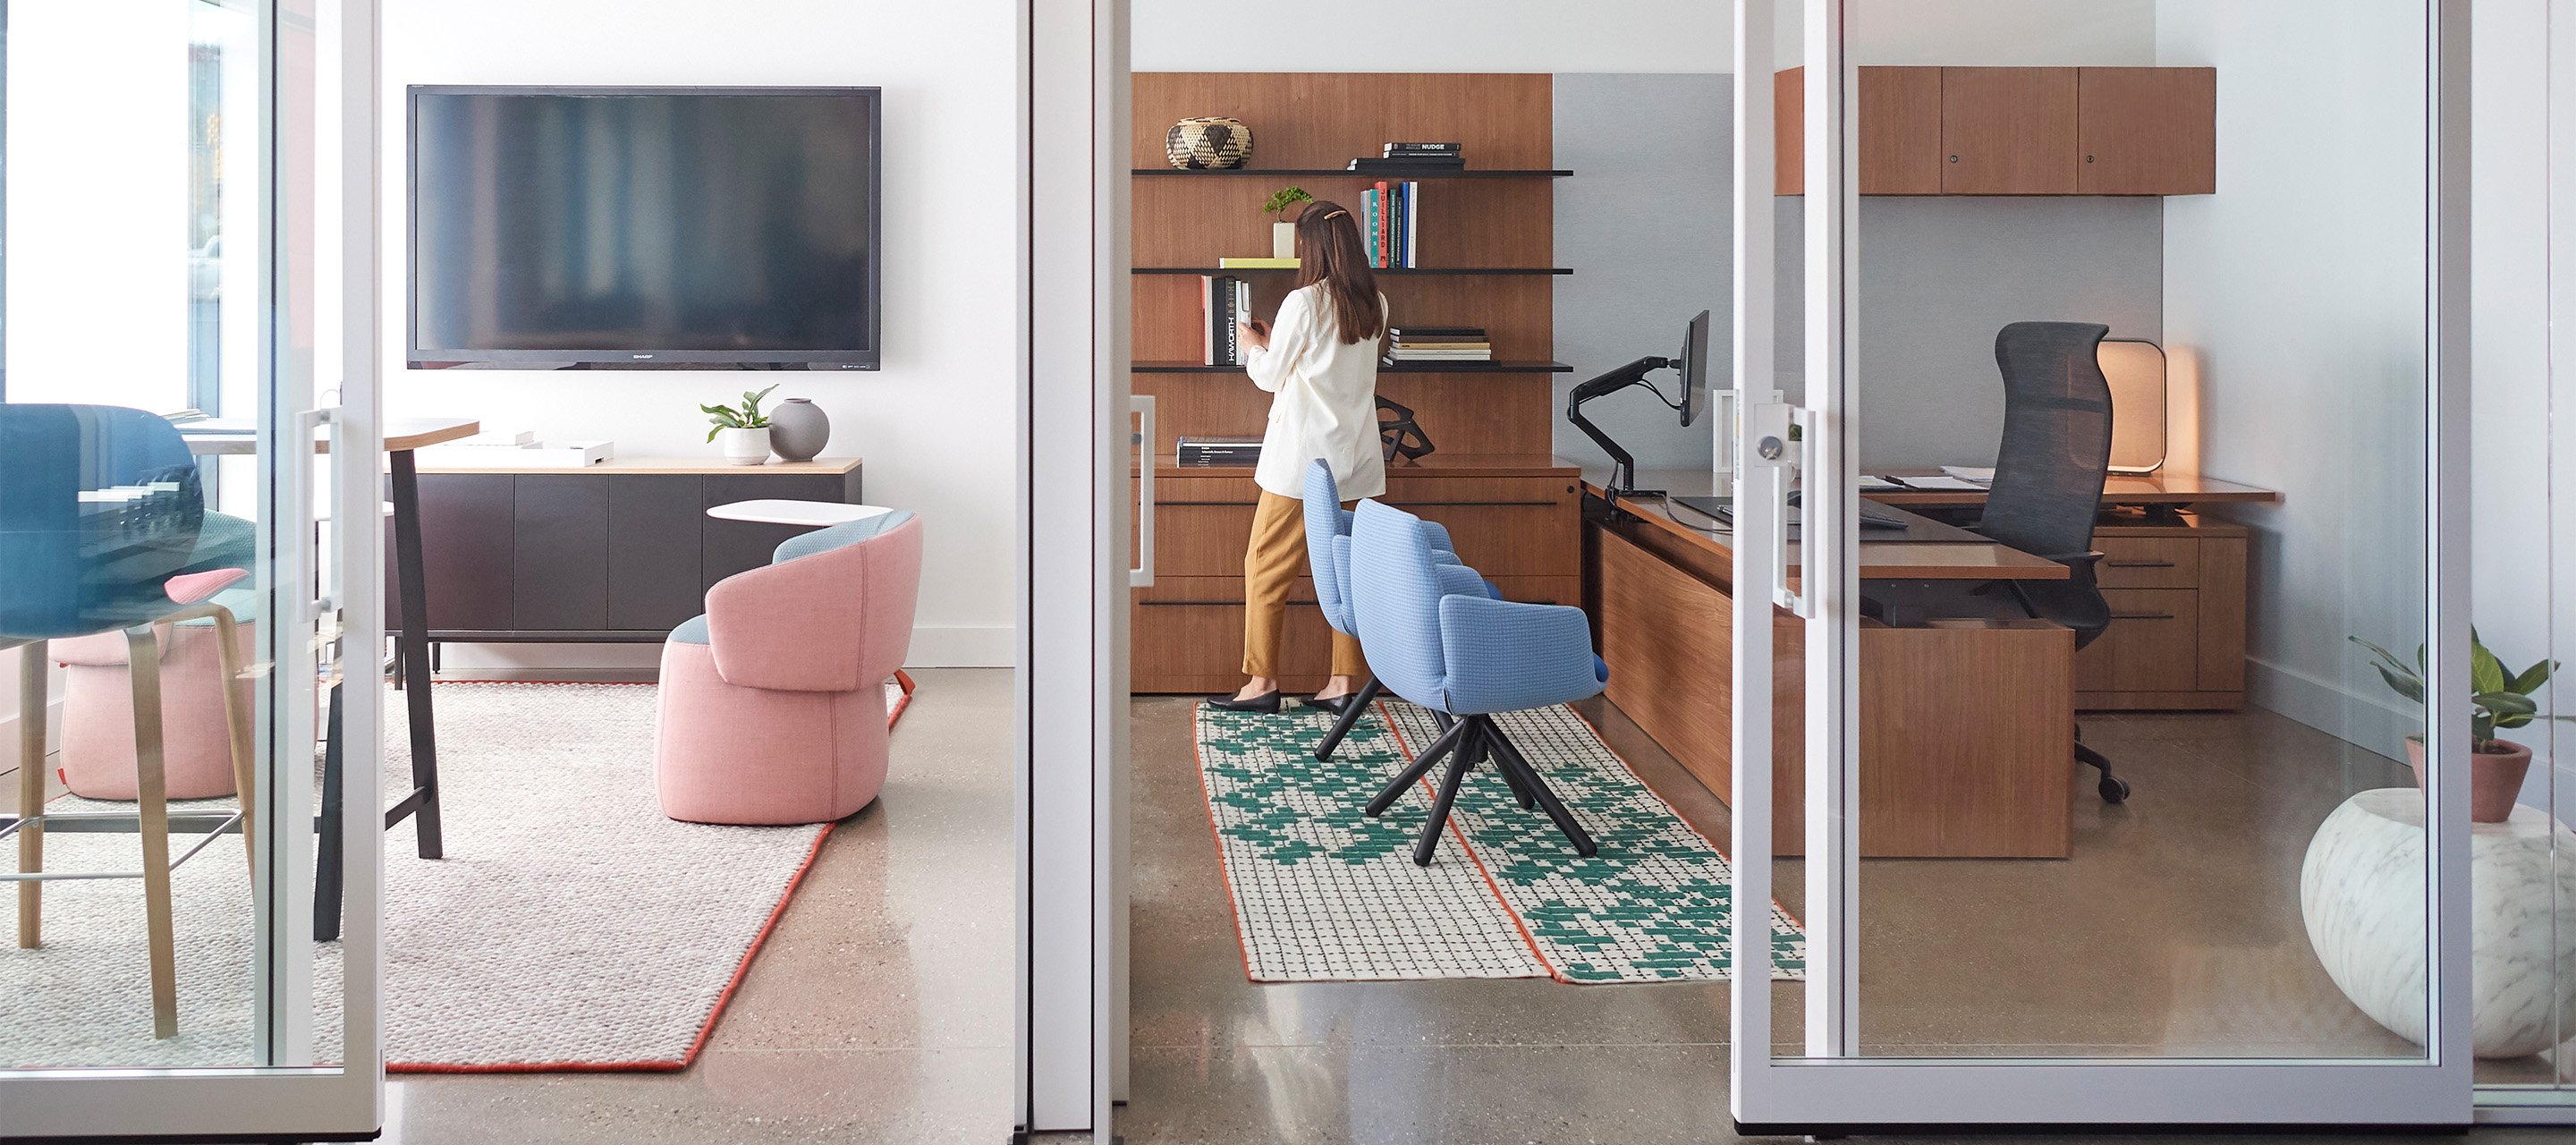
2362,893
809,514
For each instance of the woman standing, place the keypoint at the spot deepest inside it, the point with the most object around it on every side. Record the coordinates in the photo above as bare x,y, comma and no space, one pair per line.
1320,366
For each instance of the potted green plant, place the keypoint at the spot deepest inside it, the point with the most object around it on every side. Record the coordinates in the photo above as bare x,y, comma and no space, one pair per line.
742,432
2498,700
1283,232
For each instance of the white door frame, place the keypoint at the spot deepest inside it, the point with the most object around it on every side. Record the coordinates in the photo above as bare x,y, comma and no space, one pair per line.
292,1101
1073,622
1827,1089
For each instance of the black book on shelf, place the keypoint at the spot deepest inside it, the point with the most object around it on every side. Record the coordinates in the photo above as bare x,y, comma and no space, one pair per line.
1203,451
1396,149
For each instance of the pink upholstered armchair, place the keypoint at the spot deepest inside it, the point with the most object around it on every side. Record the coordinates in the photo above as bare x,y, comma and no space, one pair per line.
773,703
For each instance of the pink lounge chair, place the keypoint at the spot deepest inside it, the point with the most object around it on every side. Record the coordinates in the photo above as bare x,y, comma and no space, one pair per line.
773,704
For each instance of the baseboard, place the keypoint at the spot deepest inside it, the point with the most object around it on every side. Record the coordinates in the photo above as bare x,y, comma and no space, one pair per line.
9,735
2364,721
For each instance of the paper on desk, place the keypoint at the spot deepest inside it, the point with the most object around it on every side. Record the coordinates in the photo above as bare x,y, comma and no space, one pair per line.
1972,474
1933,484
1869,483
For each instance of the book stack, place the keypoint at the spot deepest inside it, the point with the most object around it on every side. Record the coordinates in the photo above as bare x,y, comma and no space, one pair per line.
1400,158
1390,223
1209,451
1224,301
1421,344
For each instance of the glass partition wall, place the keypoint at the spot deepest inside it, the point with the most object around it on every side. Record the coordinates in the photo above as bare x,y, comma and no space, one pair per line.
178,438
2123,438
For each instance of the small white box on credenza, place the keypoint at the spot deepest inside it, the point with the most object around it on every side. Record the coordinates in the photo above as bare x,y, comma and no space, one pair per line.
555,455
2136,370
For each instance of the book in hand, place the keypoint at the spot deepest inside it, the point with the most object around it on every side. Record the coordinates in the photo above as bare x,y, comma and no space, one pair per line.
1208,451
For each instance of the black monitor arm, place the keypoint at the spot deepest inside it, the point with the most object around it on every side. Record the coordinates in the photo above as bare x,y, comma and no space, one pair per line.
1623,465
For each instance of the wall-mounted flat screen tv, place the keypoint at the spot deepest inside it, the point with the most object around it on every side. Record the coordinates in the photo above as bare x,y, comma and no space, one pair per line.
645,227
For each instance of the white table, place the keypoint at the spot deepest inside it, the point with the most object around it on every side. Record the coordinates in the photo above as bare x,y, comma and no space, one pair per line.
804,514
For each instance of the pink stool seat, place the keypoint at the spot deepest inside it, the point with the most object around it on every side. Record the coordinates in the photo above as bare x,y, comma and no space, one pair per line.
98,713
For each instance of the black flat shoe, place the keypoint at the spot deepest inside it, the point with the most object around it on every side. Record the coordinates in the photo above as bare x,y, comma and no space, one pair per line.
1336,705
1267,703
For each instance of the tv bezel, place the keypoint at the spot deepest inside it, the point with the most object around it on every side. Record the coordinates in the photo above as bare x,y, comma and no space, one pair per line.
643,357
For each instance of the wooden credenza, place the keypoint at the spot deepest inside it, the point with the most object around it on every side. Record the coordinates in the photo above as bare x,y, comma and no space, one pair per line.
2177,636
618,552
1517,521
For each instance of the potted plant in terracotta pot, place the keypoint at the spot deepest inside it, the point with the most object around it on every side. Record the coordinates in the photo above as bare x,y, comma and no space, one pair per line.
2498,700
1283,233
742,432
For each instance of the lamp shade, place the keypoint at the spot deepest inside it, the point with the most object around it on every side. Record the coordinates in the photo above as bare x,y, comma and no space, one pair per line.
2136,370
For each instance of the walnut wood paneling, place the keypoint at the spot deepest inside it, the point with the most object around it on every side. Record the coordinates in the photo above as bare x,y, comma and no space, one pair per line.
2008,131
1468,222
2148,131
1479,413
1325,119
1518,313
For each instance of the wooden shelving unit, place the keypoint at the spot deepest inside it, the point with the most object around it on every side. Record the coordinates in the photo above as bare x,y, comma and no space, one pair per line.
1514,512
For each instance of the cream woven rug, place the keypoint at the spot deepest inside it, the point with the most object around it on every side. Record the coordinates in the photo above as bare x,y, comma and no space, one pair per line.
570,927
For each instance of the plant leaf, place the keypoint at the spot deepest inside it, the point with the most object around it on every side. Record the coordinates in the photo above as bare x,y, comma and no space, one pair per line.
2407,686
2507,703
2486,673
2533,677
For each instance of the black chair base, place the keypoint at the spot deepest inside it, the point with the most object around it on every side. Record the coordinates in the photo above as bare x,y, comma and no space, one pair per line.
1350,717
2113,788
1465,744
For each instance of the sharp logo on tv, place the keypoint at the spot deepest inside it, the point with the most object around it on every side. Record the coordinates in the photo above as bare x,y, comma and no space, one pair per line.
721,226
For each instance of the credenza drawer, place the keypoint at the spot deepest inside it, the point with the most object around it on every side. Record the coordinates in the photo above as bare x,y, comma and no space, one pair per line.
1502,526
1187,632
2152,645
2149,562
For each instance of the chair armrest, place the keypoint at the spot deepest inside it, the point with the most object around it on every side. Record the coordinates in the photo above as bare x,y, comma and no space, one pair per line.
1505,656
1458,580
1438,535
792,627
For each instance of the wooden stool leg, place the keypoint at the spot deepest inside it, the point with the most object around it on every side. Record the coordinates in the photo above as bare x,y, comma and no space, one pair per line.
31,791
143,663
237,723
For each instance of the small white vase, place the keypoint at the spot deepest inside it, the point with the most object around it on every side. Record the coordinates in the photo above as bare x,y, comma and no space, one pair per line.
1283,240
744,446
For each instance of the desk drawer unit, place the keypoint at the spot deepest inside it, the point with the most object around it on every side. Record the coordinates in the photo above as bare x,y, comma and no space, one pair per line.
1522,532
2177,635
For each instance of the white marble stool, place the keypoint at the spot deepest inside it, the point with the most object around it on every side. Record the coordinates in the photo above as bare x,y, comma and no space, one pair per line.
2362,892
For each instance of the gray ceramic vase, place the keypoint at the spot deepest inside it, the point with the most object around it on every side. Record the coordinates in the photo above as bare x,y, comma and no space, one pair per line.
798,431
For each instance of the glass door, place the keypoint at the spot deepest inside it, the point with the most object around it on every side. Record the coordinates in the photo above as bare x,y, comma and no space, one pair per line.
190,550
2126,431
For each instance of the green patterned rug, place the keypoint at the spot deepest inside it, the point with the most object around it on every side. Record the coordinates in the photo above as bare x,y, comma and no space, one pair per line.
1323,893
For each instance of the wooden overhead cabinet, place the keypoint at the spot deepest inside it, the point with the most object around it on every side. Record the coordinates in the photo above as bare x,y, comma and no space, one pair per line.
2148,131
1900,131
2009,131
2019,131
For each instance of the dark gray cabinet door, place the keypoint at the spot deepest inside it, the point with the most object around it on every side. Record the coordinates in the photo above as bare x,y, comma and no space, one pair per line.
465,535
730,547
653,524
559,559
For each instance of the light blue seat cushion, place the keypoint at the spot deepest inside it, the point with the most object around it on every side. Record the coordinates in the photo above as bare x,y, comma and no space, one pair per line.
838,536
692,631
1438,636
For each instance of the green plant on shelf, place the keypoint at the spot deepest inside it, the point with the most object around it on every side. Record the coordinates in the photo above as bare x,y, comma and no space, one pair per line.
745,416
1284,198
2498,700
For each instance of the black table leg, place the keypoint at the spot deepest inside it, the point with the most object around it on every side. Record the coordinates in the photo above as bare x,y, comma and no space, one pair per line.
327,864
413,652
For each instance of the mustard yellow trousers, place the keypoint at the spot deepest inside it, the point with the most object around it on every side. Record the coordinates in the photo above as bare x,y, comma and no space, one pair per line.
1271,563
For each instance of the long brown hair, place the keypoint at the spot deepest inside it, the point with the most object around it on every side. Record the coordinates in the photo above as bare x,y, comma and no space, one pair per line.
1329,252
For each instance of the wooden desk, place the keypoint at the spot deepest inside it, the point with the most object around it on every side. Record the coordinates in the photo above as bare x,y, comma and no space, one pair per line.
2164,490
1937,552
1966,733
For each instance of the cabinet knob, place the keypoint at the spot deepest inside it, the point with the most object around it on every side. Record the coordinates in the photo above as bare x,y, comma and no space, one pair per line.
2088,158
1954,158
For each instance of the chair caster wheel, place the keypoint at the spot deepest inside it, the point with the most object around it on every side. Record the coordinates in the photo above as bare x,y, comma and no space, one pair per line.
2114,789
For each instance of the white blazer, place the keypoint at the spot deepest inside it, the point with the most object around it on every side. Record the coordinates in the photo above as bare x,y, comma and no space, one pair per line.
1324,401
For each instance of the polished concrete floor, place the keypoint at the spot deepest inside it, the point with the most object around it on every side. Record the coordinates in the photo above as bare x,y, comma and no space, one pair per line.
2174,931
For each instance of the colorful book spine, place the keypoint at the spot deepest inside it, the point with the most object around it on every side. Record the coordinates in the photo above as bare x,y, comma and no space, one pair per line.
1385,227
1412,224
1368,224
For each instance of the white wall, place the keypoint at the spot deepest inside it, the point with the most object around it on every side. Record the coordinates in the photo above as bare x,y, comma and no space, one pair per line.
2298,288
934,425
1433,36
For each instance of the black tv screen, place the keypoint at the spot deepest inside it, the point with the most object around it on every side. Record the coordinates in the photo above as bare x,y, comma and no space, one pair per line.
644,227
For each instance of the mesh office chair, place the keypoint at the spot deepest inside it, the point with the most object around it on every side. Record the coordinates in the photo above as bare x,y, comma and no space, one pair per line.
2049,471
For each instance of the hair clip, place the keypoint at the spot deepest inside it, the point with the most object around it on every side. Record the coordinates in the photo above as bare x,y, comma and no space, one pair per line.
1336,215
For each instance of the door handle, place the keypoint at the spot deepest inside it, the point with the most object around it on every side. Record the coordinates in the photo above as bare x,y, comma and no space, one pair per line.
1142,576
322,601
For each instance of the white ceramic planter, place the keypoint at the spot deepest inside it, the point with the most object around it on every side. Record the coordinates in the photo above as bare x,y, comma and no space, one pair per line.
744,446
1283,240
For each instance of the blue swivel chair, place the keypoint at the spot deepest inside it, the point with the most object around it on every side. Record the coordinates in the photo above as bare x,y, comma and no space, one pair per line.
1326,522
104,528
1436,637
